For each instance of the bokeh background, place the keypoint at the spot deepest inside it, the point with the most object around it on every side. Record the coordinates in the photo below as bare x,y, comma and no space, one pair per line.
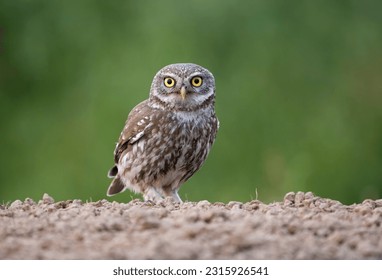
299,93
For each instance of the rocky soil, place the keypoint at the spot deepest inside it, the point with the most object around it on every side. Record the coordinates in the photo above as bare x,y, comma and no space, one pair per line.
302,226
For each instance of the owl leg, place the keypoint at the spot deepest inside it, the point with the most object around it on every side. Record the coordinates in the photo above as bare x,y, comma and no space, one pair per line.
176,197
172,192
152,194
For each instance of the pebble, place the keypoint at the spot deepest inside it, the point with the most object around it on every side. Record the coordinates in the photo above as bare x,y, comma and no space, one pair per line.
235,205
46,199
16,204
203,203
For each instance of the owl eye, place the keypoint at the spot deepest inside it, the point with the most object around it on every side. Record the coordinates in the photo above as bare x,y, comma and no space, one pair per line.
169,82
197,81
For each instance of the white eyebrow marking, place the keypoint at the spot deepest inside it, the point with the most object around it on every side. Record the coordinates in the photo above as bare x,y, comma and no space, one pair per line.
197,74
169,74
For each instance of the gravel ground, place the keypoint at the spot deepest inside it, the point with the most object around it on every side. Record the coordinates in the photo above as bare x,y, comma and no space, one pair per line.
302,226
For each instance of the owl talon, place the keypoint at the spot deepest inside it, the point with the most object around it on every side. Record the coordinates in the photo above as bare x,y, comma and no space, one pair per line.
152,195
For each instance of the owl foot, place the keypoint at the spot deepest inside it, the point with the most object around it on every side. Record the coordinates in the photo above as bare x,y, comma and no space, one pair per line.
151,194
172,195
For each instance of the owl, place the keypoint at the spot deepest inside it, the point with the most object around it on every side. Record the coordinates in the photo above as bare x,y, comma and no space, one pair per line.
167,137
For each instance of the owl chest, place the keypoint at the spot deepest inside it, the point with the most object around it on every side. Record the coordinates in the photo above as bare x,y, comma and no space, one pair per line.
189,132
192,142
179,140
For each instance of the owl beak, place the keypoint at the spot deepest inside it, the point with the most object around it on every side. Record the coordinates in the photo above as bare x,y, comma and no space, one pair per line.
183,92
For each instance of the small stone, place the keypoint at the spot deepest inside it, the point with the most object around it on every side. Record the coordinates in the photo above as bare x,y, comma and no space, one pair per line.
77,201
26,207
29,201
378,203
203,203
235,205
252,205
320,201
186,205
98,203
300,196
289,198
335,205
47,199
16,204
309,195
249,207
369,203
219,204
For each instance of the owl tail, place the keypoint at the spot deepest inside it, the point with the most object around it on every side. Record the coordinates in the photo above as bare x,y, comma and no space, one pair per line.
113,172
115,187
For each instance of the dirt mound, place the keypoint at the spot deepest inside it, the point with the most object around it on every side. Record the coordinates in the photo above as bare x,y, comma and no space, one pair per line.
303,226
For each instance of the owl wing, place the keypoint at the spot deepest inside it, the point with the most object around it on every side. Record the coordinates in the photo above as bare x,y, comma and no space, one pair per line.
136,124
134,129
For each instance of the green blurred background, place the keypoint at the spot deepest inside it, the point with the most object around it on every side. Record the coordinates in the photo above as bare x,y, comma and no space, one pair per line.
299,93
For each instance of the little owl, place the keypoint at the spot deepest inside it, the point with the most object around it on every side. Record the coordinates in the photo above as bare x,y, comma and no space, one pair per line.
167,137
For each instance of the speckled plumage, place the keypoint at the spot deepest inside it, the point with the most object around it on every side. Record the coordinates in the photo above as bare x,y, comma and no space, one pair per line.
167,137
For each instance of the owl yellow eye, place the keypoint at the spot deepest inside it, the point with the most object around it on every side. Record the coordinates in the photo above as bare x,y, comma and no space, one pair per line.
197,81
169,82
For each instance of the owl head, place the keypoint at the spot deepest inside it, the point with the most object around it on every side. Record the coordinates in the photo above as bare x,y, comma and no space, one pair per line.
183,86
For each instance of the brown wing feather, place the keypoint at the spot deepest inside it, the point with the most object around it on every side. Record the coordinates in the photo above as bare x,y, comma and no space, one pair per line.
132,129
132,132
